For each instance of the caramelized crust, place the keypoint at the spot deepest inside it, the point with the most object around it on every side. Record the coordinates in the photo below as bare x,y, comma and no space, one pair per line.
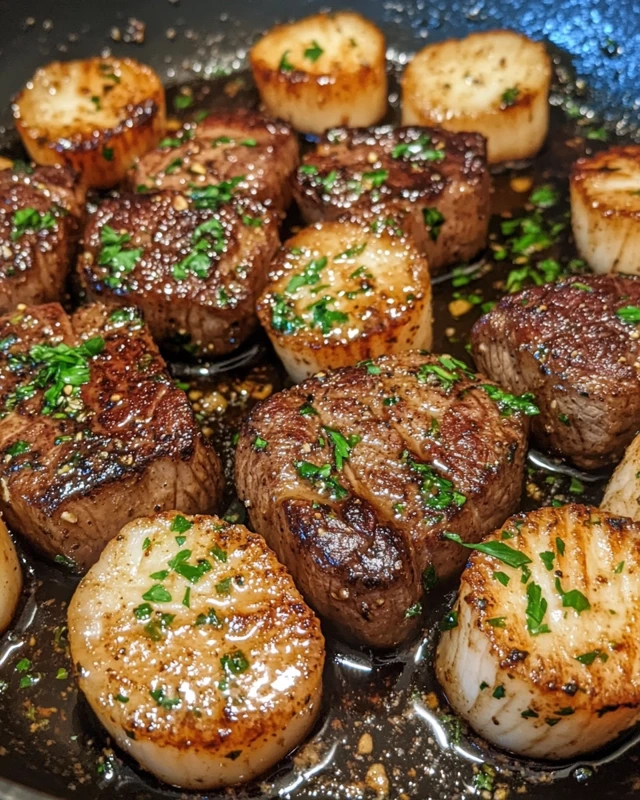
359,538
566,343
36,248
435,179
208,307
121,444
225,146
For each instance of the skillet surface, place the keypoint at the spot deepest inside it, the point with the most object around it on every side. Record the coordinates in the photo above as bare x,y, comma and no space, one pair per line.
48,739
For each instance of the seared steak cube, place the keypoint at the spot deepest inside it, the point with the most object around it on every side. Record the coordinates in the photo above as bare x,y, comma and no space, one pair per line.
574,344
436,179
258,153
195,269
94,432
40,214
354,475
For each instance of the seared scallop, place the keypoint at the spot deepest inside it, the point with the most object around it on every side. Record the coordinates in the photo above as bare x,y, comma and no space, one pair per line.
94,115
540,652
353,476
495,83
322,71
344,291
196,651
622,495
605,209
10,576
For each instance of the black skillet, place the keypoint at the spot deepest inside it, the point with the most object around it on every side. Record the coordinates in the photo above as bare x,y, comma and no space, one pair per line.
48,740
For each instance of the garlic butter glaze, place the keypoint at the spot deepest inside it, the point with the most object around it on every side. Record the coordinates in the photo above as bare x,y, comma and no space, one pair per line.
196,651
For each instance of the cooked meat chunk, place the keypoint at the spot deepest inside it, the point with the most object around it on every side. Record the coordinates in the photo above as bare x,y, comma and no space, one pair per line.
40,213
257,154
574,344
438,180
94,433
195,270
353,476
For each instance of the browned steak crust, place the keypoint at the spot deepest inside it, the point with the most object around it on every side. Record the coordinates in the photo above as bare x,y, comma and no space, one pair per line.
225,146
196,272
566,343
436,179
40,215
424,454
91,442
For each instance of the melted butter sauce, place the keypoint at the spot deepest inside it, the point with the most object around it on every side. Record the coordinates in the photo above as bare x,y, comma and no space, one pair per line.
385,726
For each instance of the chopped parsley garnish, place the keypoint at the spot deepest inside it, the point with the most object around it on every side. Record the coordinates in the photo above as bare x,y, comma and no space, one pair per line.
573,598
324,317
449,621
28,220
235,663
60,366
502,578
376,177
283,317
629,314
121,698
18,448
509,97
142,612
509,403
207,237
497,622
544,196
433,221
351,252
437,492
499,550
107,153
588,658
259,443
313,52
218,553
157,594
210,618
174,166
529,714
547,558
307,410
413,611
191,572
186,600
180,524
560,545
285,65
146,544
421,149
448,372
429,578
619,568
160,696
322,475
499,692
224,587
329,180
484,778
182,101
576,486
342,445
308,169
536,609
24,665
115,256
309,277
216,194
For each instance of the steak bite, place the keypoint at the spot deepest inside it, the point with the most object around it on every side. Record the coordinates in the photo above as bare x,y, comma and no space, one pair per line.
256,153
574,344
40,213
195,269
437,180
354,475
93,432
